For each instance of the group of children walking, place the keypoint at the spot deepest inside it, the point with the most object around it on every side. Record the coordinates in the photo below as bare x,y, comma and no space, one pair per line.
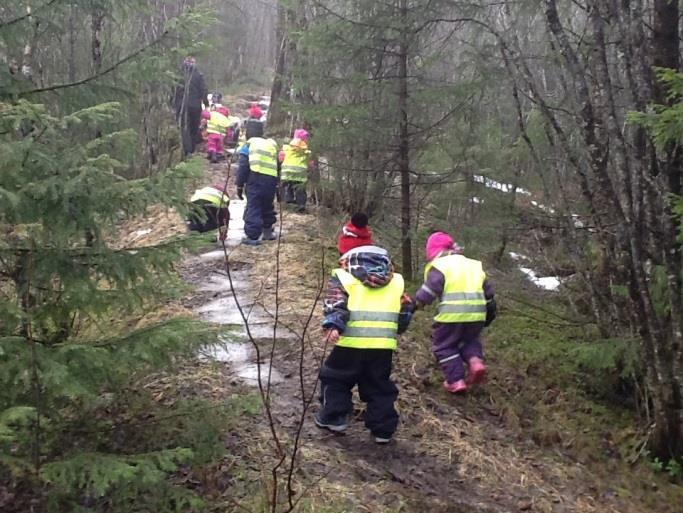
366,307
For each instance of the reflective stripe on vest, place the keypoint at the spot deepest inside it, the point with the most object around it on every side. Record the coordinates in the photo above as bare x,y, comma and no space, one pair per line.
217,124
210,195
373,320
463,297
295,164
263,156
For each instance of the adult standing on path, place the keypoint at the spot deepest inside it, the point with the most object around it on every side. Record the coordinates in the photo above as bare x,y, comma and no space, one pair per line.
188,100
258,170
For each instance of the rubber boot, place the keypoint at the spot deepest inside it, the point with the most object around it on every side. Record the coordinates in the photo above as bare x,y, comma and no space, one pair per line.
251,242
455,388
476,371
269,234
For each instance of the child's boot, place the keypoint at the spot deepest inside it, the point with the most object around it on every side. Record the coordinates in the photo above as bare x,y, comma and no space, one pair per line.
456,387
335,425
476,371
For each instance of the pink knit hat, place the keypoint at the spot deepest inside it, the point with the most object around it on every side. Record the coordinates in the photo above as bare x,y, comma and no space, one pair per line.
438,242
302,134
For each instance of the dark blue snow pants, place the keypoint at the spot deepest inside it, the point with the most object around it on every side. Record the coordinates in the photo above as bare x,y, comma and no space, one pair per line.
260,211
370,369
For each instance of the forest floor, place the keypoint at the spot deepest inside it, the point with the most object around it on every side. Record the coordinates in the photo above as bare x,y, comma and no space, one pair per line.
450,454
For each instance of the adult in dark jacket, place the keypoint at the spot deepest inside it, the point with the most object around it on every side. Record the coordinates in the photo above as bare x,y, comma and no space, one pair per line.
188,100
258,170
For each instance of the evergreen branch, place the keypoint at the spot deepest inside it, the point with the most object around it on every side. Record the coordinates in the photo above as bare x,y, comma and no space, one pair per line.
100,74
84,251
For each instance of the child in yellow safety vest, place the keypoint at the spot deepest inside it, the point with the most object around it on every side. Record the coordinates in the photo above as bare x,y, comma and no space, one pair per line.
365,308
466,306
218,128
296,162
209,210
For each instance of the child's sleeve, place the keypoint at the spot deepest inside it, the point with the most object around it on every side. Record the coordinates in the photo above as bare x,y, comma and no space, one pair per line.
432,288
335,306
491,307
242,166
406,314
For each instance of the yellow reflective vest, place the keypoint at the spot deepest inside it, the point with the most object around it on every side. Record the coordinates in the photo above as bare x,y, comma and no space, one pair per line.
210,195
373,323
463,298
295,164
217,123
263,156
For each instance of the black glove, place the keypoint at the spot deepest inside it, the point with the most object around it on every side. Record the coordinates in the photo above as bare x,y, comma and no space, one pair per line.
240,193
491,310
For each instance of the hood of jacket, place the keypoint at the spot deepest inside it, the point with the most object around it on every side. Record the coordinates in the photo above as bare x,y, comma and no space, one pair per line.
370,264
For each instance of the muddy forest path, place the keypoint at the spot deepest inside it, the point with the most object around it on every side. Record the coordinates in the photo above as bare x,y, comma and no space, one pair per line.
450,454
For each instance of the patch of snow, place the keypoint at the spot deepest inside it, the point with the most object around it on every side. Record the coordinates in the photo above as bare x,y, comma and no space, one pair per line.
504,187
142,233
544,282
577,221
477,200
517,256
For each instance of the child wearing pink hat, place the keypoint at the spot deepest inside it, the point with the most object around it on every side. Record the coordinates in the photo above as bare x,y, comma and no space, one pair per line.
466,306
297,162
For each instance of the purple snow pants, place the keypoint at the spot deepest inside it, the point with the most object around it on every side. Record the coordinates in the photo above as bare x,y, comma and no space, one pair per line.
453,344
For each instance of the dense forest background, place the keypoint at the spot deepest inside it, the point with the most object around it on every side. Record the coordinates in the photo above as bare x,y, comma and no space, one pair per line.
541,134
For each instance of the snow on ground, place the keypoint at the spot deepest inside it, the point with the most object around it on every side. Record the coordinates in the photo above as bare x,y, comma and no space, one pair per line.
504,187
544,282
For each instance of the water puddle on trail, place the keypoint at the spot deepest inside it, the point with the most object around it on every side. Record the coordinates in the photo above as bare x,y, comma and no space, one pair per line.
234,348
240,357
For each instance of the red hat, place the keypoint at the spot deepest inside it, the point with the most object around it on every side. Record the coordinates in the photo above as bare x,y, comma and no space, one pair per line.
354,234
255,111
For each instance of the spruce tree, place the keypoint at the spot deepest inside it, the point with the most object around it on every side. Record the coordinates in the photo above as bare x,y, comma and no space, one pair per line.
71,350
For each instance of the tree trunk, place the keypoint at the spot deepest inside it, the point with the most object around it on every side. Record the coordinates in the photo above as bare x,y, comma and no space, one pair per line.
668,434
404,145
97,24
72,44
276,113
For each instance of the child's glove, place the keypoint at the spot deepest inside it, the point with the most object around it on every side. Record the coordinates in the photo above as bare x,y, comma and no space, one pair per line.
408,304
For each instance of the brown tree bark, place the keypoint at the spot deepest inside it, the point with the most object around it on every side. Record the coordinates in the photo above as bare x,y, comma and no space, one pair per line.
404,145
668,434
279,91
97,24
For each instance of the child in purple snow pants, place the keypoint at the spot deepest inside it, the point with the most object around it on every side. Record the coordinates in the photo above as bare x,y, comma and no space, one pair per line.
457,345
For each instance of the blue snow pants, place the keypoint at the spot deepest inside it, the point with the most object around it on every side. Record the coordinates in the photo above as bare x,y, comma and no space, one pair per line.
260,211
